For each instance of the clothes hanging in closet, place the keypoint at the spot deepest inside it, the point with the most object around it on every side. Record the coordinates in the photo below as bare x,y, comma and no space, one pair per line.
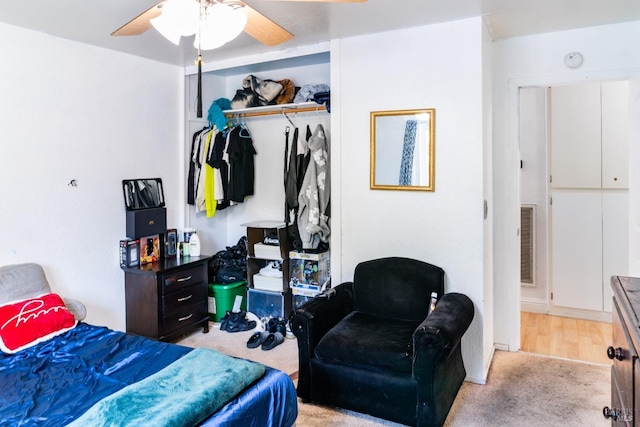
194,166
241,164
221,168
313,211
308,189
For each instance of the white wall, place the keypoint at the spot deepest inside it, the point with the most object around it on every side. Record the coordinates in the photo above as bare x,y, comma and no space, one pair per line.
72,111
537,60
437,66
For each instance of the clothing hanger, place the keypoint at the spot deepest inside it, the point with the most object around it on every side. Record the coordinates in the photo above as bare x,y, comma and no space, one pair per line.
287,117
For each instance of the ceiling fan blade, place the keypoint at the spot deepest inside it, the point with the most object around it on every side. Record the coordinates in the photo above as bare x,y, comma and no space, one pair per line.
140,23
264,29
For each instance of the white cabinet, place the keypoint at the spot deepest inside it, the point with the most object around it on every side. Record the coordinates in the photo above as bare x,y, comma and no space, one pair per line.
589,245
589,210
615,134
590,135
575,136
577,249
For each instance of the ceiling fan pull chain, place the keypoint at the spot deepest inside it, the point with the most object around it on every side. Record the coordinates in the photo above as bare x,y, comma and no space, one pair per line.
199,106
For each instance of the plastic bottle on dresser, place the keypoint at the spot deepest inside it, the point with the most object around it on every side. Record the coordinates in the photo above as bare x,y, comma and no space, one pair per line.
194,245
433,302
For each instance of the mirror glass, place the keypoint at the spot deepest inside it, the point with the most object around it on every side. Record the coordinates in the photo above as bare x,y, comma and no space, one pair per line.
143,193
402,150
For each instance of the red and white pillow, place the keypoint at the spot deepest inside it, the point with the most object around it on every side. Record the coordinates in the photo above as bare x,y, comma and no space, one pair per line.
28,322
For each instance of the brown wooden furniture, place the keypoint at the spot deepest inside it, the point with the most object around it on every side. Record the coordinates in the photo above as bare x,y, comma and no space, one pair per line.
166,299
261,302
625,371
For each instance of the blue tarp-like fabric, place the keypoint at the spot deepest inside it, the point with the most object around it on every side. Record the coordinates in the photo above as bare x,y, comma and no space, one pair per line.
55,382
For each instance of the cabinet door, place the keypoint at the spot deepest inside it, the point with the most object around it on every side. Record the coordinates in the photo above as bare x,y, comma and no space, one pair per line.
615,239
575,136
577,249
615,134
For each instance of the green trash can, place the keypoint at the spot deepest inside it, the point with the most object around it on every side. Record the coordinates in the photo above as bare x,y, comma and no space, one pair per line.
223,297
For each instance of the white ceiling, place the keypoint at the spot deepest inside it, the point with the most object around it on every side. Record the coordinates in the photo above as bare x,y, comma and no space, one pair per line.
92,22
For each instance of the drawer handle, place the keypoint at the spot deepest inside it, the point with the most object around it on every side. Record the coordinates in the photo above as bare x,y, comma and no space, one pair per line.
610,413
185,298
182,319
184,279
617,353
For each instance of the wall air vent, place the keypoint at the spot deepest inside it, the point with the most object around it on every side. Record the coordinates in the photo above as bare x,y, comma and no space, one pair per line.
527,243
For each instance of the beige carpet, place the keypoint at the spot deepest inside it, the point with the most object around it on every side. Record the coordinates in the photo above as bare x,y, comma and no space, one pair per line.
523,389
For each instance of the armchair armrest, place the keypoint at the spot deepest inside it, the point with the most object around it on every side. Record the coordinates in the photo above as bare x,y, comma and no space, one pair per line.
311,322
440,333
314,319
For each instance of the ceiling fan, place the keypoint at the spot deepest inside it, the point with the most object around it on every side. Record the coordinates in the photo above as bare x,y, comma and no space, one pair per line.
257,25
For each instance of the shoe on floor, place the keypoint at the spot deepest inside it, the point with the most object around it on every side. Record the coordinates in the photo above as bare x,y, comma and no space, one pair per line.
238,322
272,269
274,339
257,339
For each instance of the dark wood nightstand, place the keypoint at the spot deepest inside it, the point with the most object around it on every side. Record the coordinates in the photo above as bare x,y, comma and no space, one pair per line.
166,299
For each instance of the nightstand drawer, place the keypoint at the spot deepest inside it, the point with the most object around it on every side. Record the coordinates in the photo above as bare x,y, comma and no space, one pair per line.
184,278
195,294
184,317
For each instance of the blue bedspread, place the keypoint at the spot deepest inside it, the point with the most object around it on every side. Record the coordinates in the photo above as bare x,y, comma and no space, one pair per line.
55,382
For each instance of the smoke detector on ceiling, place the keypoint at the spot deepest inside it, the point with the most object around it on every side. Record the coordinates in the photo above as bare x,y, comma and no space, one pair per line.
573,60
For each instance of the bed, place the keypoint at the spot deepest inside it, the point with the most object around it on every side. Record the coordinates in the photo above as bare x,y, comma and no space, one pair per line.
81,374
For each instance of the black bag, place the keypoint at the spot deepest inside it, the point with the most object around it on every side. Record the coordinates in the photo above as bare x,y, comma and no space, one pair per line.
229,265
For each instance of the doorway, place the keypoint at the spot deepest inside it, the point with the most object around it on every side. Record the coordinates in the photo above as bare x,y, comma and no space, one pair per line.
539,279
574,196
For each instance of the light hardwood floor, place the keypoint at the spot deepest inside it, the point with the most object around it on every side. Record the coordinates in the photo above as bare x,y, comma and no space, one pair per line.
565,337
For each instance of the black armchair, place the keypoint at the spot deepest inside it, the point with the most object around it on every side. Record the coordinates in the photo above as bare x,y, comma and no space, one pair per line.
371,348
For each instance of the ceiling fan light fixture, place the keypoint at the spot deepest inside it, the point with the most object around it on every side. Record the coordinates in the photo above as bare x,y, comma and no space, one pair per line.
178,18
220,24
166,28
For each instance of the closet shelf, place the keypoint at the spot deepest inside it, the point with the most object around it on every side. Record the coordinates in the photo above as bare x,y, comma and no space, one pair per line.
268,110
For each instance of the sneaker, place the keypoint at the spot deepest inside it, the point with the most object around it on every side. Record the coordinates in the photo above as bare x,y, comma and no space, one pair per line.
272,269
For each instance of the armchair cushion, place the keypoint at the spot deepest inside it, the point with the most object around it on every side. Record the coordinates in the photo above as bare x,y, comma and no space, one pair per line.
369,342
396,288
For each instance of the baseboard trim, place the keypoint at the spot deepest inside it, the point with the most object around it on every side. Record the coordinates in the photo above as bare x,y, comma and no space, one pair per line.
598,316
485,374
531,305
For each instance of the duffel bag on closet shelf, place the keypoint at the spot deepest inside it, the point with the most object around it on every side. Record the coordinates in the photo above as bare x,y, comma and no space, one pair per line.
256,92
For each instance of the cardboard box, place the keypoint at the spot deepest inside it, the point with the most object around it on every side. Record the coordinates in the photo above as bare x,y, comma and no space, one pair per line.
266,283
129,253
146,222
305,290
267,251
149,249
309,272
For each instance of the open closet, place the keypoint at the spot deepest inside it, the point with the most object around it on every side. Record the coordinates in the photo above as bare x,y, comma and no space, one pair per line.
271,129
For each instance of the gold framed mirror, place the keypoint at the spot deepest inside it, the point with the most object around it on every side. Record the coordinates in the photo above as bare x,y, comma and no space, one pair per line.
403,150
